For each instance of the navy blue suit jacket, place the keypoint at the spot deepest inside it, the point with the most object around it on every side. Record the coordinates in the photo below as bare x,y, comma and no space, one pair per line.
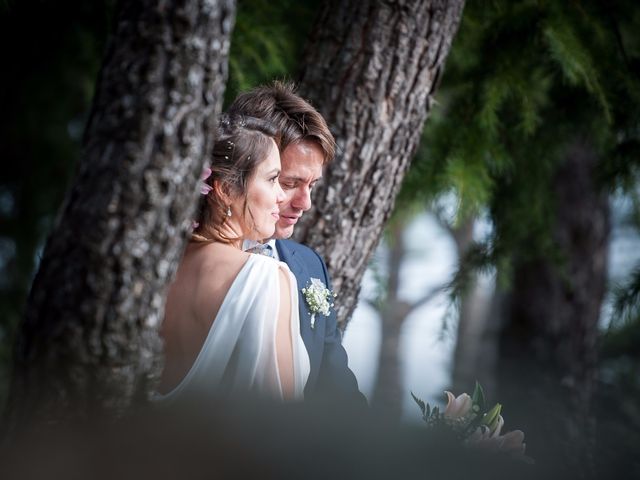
330,374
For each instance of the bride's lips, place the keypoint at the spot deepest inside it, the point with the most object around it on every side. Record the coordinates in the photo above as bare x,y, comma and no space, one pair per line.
289,220
276,216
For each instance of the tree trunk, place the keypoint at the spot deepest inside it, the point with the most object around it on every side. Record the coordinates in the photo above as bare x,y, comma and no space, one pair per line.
371,68
476,347
394,311
388,391
468,332
89,341
547,363
387,394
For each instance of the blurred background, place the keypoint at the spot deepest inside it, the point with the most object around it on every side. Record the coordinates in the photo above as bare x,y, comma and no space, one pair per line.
515,238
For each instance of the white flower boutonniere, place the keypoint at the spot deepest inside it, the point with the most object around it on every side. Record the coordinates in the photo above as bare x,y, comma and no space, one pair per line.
319,298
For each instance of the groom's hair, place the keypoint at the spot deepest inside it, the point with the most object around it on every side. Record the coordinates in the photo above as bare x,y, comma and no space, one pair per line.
295,118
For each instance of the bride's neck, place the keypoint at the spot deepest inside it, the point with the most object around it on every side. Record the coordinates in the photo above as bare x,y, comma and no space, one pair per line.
233,233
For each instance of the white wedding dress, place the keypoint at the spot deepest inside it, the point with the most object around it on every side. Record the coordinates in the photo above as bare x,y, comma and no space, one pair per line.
239,353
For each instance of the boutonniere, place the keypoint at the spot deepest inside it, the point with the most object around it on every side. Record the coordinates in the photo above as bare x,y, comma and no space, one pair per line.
319,298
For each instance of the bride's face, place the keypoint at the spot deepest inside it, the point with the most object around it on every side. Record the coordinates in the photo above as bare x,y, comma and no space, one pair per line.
263,198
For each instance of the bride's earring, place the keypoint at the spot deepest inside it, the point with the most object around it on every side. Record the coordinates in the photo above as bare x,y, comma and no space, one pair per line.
228,211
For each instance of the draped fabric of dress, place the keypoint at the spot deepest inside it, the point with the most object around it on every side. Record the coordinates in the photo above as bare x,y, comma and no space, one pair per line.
239,354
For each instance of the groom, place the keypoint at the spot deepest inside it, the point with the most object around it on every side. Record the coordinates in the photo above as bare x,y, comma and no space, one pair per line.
306,146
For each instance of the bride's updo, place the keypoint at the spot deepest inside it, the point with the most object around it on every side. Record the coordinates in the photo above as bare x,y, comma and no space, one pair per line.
241,144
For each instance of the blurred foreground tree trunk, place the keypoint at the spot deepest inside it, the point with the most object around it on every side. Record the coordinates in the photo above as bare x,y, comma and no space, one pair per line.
371,68
548,361
89,341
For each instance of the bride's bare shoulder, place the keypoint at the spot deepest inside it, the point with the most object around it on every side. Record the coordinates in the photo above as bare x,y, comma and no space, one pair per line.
216,256
209,266
206,274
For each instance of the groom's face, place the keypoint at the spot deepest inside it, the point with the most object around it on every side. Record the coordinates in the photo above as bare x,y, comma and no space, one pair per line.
301,169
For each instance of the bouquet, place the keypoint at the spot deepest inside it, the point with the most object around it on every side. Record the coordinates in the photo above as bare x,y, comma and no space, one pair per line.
469,422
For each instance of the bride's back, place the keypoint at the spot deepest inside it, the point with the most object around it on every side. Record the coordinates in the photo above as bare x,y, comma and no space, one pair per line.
202,281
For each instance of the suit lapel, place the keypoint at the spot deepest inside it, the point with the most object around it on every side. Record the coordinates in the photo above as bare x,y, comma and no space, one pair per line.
301,273
309,336
288,256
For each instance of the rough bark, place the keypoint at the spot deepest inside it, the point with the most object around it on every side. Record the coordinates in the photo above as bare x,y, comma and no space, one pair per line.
547,364
89,341
371,68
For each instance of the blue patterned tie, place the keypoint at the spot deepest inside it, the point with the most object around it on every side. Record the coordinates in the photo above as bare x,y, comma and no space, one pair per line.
262,249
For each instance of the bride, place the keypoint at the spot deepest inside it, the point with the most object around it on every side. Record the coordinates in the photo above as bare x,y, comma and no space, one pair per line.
231,321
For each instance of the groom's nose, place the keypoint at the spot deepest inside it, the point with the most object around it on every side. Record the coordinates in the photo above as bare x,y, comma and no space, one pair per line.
302,199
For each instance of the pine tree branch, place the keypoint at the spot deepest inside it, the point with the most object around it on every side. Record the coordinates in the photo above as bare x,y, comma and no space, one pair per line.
426,298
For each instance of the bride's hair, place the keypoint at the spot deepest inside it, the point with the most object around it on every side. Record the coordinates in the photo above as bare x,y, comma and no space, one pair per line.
241,144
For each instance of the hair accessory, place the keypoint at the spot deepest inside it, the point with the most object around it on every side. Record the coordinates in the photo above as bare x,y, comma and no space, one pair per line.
205,188
228,210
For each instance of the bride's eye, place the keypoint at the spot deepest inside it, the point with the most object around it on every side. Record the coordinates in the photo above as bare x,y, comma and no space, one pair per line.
274,178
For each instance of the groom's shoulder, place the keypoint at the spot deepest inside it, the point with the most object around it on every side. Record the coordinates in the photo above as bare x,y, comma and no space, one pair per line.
301,250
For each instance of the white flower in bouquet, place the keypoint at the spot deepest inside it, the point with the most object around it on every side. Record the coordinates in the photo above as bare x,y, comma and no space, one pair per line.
457,406
511,442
